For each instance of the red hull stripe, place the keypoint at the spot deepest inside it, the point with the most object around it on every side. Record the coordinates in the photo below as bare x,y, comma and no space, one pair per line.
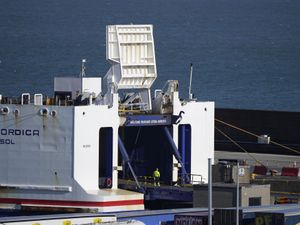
70,203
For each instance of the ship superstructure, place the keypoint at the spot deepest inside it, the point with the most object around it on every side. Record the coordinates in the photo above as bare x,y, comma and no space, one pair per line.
70,150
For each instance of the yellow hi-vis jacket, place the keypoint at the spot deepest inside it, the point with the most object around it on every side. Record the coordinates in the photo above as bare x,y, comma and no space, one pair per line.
156,173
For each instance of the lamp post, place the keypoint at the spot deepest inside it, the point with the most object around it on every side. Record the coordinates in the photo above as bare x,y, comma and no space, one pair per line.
237,193
209,193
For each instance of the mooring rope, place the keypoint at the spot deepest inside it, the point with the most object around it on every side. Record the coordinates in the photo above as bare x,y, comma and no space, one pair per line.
257,136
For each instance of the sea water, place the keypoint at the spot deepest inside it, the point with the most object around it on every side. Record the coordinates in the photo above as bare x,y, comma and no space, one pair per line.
246,53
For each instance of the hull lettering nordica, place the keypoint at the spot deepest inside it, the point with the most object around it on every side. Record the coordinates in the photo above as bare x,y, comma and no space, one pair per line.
19,132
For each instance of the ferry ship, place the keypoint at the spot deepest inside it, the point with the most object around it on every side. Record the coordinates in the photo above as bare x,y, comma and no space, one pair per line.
70,150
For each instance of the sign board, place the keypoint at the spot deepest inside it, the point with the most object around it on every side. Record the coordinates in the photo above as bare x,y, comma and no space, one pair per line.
147,120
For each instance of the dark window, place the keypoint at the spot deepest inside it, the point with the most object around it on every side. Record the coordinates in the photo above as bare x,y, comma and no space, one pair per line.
255,201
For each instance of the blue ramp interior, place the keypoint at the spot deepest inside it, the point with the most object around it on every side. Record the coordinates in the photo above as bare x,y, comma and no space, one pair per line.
147,149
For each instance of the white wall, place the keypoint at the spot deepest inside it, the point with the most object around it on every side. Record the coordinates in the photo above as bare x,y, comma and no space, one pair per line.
87,122
200,115
92,85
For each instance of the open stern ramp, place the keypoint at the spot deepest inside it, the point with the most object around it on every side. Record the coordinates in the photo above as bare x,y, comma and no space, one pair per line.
130,50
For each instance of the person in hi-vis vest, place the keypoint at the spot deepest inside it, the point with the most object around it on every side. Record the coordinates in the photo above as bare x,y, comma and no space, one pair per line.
156,176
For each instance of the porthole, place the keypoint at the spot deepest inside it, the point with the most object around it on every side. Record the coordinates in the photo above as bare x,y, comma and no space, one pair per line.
44,112
17,112
4,110
53,113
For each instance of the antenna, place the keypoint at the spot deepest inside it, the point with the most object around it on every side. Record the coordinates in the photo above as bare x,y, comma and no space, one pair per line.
190,87
82,74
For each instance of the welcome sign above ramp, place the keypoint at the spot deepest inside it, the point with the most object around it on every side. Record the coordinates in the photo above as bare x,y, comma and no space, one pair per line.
147,120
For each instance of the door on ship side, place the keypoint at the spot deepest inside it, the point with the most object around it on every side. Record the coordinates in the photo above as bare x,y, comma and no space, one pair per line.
105,157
